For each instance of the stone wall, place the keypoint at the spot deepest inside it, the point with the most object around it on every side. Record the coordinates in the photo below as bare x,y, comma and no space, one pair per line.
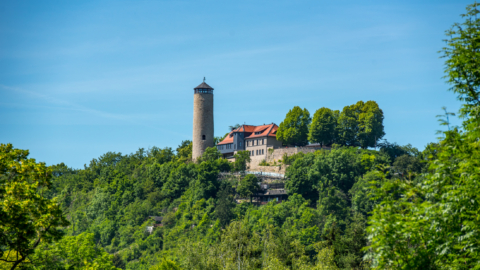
277,154
269,169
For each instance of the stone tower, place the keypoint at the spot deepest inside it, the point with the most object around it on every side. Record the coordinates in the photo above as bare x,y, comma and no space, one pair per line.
202,119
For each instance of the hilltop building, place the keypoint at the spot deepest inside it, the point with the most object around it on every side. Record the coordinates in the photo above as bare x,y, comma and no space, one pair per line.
255,139
202,119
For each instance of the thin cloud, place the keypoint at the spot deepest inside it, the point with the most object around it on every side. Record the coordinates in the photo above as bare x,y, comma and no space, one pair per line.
67,105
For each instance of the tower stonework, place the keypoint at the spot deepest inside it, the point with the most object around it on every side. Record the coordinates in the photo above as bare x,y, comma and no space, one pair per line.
202,119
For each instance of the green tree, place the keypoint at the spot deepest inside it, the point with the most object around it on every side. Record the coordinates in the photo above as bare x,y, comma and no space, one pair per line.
234,126
347,125
294,129
404,164
73,252
27,217
207,180
248,186
370,122
323,127
225,204
179,180
184,150
298,180
393,150
211,154
362,199
160,155
241,160
360,124
166,265
434,224
462,60
333,203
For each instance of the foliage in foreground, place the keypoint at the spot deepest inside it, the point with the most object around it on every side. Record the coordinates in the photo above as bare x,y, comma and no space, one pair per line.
27,218
431,222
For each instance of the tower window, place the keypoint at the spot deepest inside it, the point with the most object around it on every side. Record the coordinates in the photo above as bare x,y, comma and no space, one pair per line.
203,137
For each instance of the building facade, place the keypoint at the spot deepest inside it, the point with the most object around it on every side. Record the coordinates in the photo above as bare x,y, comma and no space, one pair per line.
202,119
255,139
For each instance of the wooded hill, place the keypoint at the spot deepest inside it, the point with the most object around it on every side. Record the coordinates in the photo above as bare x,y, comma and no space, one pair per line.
348,208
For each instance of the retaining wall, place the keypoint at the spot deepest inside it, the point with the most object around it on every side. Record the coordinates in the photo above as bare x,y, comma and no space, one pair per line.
277,154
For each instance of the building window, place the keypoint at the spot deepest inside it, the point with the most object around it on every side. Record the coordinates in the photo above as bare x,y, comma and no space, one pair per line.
203,137
263,141
240,144
263,151
235,146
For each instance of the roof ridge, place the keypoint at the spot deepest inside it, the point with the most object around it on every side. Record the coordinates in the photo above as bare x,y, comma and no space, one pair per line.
270,130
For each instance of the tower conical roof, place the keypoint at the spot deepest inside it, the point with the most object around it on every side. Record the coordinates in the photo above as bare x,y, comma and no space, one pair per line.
203,85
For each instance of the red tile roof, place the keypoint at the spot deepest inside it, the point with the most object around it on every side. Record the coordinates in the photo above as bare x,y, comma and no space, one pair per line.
265,130
228,139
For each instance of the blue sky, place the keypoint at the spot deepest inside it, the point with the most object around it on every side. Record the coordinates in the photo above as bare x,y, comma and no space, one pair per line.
81,78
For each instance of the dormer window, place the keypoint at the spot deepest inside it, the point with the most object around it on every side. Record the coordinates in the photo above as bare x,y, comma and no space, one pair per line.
259,132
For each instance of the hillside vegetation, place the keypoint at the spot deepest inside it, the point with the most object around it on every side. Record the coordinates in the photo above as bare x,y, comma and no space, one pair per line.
348,208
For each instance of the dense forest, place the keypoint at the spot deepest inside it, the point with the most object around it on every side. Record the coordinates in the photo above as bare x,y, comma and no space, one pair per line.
351,207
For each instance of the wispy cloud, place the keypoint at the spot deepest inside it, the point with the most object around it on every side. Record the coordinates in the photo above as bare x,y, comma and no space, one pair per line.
133,119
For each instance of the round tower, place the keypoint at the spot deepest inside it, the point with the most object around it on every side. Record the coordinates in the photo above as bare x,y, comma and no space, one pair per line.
202,119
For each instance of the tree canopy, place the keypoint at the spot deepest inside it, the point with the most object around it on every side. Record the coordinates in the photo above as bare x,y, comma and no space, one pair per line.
248,186
432,222
323,127
27,217
294,129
